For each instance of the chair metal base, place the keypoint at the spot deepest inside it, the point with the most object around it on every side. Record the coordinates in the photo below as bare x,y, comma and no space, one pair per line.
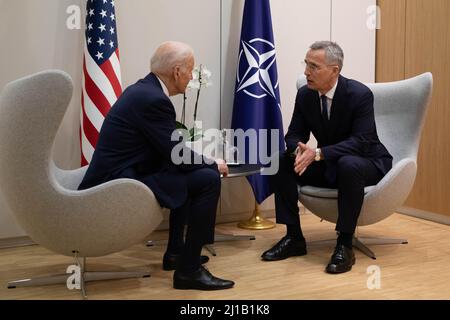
361,243
85,276
88,276
227,237
210,248
217,238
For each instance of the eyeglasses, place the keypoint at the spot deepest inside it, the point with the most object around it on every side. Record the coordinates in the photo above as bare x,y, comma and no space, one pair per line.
314,67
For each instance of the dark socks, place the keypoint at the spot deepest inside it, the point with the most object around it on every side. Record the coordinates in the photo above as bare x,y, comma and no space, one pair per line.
294,231
346,239
190,257
176,237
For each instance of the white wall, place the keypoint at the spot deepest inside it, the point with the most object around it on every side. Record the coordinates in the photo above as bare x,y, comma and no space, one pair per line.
349,28
143,25
34,37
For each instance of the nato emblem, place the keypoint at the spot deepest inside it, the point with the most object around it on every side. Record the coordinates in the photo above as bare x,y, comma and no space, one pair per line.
256,76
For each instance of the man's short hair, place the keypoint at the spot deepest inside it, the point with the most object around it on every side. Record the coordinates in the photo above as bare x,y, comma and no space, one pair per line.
168,55
333,52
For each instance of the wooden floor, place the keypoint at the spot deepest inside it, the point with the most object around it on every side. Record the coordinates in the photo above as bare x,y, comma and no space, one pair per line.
418,270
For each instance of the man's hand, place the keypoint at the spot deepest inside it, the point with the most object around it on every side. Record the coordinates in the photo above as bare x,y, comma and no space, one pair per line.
222,166
304,158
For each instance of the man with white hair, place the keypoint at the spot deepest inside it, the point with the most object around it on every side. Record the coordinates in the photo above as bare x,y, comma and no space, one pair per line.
135,142
349,156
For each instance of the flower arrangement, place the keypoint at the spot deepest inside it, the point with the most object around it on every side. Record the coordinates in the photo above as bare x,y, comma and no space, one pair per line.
200,78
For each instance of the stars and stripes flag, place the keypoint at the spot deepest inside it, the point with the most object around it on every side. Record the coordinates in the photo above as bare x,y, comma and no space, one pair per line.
101,83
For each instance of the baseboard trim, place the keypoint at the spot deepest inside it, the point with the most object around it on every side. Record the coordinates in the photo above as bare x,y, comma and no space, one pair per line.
16,242
426,215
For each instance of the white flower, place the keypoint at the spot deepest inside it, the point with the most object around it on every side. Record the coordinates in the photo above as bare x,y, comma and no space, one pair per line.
200,77
194,84
206,75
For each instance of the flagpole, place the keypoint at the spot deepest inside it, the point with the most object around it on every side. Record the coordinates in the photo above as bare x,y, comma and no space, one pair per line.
256,222
257,54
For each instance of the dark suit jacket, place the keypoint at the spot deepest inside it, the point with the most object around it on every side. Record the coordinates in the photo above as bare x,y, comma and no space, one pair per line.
135,142
351,129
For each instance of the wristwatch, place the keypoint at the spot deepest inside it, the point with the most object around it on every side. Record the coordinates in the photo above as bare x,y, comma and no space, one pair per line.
318,154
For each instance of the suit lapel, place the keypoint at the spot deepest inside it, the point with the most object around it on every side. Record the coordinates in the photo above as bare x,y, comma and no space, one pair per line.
315,106
315,113
337,106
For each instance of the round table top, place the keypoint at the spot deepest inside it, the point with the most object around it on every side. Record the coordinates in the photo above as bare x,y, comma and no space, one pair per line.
243,170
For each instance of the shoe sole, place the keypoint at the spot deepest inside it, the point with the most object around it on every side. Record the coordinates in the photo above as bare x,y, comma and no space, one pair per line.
283,258
169,268
334,271
182,286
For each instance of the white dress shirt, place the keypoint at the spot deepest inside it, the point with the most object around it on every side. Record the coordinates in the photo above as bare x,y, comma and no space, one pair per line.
330,96
163,86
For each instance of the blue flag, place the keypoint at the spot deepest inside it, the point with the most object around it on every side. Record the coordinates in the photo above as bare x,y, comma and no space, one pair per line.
257,95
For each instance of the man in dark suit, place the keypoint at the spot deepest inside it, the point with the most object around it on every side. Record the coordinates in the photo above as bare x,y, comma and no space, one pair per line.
339,113
135,142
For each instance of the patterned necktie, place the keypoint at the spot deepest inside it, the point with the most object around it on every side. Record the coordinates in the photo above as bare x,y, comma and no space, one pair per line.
324,107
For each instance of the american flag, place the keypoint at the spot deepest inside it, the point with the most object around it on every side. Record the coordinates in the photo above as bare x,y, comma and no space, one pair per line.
101,83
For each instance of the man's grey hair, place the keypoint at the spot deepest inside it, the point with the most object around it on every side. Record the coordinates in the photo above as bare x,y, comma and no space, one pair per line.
168,55
333,52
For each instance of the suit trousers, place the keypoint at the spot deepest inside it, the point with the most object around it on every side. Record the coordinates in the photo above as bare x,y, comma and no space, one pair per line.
199,214
353,174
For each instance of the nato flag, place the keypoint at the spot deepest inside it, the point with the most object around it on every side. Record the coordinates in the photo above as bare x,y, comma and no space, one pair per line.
257,96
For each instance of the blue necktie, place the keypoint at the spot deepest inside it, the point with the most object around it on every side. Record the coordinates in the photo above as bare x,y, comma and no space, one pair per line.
324,107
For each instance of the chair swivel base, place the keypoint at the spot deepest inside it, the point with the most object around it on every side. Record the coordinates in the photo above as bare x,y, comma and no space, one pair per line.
217,238
85,276
88,276
361,243
210,248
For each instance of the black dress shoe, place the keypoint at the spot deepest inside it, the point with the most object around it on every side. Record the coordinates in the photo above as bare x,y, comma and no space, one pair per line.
201,279
285,248
342,260
170,261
